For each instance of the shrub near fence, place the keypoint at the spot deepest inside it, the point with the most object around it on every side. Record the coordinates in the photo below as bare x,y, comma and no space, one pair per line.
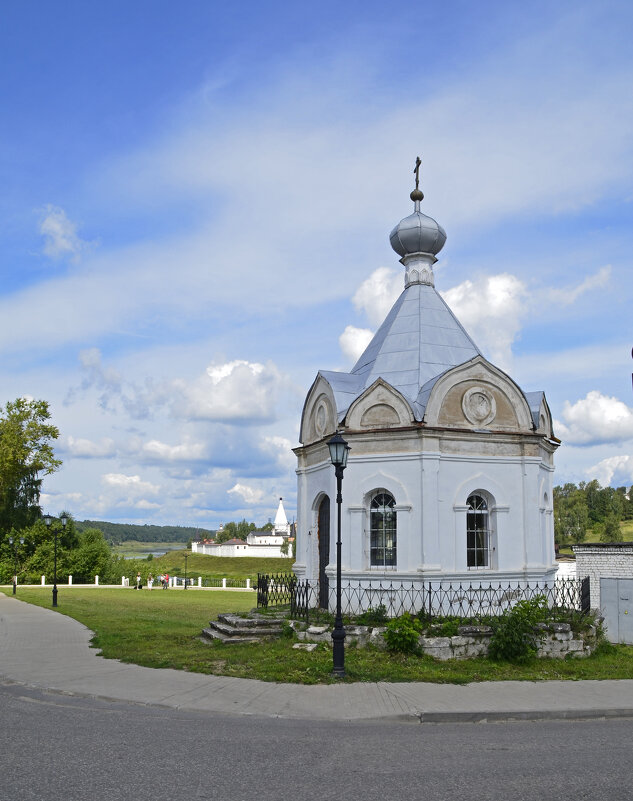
432,599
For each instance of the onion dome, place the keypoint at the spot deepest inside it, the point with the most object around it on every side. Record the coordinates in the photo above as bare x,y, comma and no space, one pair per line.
417,233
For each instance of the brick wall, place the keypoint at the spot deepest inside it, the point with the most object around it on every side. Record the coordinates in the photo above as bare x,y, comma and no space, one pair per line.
603,560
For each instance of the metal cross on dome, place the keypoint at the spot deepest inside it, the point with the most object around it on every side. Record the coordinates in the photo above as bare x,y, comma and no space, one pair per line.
416,170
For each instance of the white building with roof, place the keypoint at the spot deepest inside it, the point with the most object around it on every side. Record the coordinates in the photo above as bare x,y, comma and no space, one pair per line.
260,542
450,470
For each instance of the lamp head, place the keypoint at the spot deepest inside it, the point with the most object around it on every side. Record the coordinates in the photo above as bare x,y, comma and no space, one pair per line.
48,519
338,451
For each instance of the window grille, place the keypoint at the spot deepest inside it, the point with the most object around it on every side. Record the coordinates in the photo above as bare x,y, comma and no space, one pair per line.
382,525
478,532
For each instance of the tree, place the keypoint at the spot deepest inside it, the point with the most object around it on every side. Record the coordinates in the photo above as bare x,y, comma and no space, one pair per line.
611,531
571,516
26,455
235,531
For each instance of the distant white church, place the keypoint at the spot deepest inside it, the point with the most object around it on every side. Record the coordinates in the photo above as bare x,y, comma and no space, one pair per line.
450,469
258,543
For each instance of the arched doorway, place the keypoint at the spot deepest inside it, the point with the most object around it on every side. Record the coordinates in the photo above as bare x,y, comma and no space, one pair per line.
324,549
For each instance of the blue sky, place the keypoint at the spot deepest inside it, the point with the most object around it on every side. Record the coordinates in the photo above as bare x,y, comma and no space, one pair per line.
195,213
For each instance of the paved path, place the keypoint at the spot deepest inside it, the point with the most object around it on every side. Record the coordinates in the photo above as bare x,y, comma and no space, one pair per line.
44,649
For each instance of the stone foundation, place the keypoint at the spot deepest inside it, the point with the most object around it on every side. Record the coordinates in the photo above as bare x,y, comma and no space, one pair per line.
470,642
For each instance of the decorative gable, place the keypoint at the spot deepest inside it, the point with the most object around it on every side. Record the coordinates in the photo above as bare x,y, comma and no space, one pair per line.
319,417
380,406
478,395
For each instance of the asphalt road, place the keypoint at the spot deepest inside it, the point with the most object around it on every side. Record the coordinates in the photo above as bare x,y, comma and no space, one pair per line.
55,747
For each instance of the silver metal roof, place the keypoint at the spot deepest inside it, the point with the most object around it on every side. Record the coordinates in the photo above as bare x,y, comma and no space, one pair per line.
417,233
420,339
535,399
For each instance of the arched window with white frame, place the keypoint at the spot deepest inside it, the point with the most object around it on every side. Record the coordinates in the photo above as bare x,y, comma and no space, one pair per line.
477,531
382,530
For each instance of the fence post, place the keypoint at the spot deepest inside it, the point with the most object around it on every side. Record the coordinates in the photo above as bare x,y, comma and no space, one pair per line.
223,583
96,581
248,584
585,595
123,581
199,581
43,580
70,580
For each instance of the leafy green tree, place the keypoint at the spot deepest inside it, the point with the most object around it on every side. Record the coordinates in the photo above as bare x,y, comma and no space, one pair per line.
611,531
91,557
26,455
592,496
235,531
571,515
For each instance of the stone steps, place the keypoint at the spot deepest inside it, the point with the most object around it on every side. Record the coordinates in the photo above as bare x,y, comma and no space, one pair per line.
232,628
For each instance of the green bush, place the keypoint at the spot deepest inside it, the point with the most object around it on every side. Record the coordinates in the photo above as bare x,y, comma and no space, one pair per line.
373,617
448,627
515,636
402,634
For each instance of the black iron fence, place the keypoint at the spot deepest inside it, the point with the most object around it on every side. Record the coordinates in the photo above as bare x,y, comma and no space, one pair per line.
433,599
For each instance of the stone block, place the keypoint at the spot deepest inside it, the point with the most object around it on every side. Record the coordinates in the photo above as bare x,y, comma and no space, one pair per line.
434,642
475,631
562,636
317,629
439,653
376,637
459,641
559,628
305,646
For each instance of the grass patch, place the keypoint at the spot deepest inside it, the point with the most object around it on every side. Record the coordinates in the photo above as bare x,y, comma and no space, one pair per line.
161,629
217,567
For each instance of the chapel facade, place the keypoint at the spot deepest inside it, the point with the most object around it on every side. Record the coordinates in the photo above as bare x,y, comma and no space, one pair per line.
449,476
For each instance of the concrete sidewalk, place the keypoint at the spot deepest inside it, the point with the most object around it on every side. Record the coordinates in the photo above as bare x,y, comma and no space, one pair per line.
41,648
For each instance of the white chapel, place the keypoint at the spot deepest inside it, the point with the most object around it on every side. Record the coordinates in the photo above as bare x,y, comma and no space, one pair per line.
449,476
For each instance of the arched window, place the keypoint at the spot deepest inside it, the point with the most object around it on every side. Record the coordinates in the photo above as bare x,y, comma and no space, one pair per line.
477,532
382,523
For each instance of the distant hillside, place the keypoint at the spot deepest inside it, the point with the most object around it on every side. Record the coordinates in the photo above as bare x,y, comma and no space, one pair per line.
120,532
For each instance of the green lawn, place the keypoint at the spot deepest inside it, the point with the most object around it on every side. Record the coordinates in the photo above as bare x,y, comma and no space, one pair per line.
217,567
162,628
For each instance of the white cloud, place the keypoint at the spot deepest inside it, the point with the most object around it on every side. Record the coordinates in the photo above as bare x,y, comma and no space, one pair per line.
569,295
145,504
620,467
491,309
239,390
60,234
353,341
281,449
87,449
130,484
246,493
156,451
596,418
377,294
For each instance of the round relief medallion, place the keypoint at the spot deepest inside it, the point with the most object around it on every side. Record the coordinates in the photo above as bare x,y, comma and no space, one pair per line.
479,406
320,419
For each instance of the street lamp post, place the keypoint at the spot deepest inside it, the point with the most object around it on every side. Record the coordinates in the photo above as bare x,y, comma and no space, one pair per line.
338,454
15,561
186,555
48,519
